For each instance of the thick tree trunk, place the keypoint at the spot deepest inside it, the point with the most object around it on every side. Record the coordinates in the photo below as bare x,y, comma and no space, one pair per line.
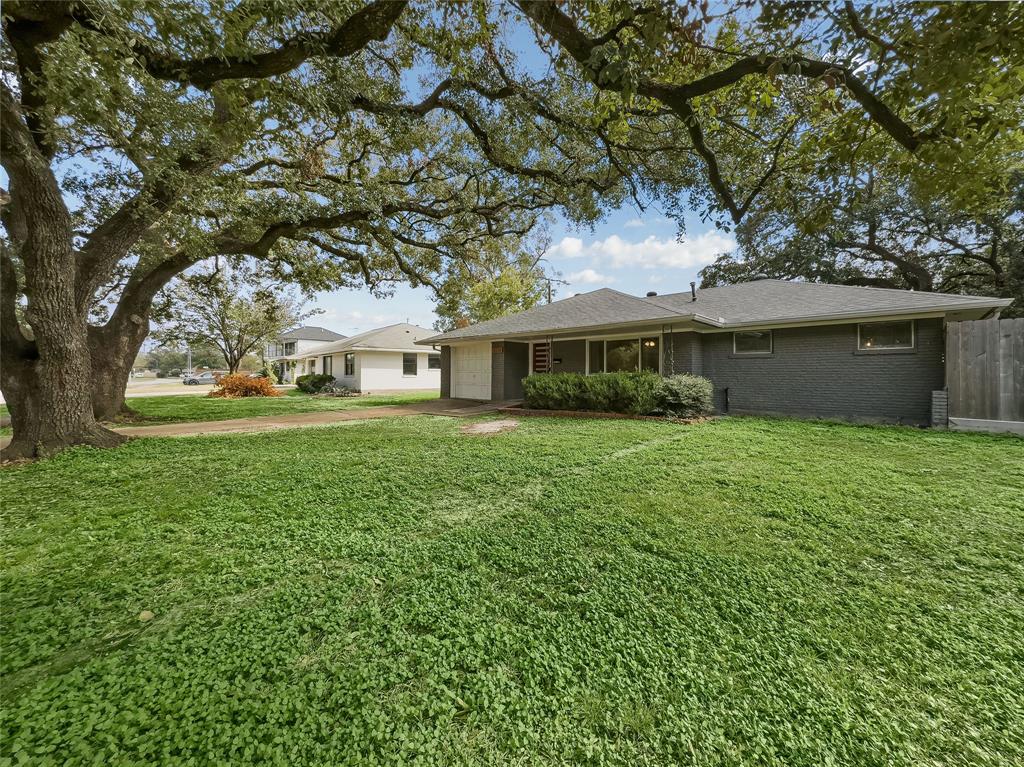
113,349
49,397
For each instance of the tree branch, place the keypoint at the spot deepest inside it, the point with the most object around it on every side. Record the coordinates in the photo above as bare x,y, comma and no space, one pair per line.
374,22
582,48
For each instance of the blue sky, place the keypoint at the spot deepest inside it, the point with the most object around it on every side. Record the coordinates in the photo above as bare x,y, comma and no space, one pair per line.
630,251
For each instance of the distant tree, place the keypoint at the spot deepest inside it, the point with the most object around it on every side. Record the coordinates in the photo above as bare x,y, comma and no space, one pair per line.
492,285
166,359
882,233
236,309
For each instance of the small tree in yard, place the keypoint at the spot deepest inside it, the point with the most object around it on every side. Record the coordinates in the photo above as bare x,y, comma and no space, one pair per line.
232,309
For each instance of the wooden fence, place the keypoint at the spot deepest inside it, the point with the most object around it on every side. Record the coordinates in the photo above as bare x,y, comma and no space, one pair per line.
985,375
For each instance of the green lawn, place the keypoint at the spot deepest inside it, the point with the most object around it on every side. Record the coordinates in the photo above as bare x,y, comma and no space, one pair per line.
741,592
184,408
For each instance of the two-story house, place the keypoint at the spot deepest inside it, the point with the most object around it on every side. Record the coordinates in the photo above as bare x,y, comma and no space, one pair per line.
300,342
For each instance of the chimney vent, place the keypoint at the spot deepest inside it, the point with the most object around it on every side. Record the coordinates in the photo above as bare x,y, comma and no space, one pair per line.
693,291
652,293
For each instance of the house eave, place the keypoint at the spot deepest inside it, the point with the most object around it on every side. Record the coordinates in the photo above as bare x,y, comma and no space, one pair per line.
672,319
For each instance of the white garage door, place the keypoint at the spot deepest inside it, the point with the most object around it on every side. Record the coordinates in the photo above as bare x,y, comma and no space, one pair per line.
471,371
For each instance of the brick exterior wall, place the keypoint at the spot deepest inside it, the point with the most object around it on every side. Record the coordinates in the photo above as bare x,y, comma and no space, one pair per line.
446,371
510,364
683,354
818,372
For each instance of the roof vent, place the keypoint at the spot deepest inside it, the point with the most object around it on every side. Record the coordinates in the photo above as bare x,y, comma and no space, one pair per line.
652,293
693,291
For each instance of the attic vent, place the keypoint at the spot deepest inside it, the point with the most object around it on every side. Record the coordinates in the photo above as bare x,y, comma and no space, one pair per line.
652,293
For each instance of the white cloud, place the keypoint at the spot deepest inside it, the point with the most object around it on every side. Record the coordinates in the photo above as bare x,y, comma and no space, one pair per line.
567,247
634,223
589,277
649,253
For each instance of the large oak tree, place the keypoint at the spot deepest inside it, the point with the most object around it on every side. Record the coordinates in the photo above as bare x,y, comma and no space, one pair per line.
141,139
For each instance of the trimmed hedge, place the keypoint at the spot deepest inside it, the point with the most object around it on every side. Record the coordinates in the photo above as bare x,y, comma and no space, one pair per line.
686,396
311,383
683,396
635,393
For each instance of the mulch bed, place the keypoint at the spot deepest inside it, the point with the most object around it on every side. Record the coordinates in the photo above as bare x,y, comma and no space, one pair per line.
596,414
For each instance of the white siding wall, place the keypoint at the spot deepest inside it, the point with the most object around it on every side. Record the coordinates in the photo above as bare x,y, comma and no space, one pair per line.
352,382
378,371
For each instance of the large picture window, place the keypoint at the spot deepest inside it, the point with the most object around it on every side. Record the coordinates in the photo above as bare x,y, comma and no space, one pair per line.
752,342
622,356
650,353
625,355
596,357
885,335
350,364
409,363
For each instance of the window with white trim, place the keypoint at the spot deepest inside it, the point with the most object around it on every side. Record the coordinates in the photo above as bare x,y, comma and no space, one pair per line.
752,342
621,355
409,363
327,366
885,335
350,364
433,362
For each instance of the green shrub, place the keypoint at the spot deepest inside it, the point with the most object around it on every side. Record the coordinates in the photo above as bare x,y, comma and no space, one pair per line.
686,396
635,393
311,383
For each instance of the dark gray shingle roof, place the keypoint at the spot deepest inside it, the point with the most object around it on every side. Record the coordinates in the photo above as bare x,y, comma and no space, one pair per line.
761,301
310,333
776,300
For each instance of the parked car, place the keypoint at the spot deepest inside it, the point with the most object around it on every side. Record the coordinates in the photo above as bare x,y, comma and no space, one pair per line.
201,378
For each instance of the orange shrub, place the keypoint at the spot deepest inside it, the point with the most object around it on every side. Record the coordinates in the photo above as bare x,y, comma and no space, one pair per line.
241,385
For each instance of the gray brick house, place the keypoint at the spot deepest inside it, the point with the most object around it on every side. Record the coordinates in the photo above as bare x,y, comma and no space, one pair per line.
768,346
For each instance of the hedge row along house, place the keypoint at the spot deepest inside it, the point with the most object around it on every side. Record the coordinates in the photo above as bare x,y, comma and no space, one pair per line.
768,346
383,359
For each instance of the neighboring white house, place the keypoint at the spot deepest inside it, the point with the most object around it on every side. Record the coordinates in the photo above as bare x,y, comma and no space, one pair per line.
378,360
298,343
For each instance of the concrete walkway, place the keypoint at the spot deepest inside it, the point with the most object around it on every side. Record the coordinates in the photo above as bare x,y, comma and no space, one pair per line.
445,407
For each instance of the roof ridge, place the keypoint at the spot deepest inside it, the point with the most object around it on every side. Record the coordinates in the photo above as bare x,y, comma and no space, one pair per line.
647,300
